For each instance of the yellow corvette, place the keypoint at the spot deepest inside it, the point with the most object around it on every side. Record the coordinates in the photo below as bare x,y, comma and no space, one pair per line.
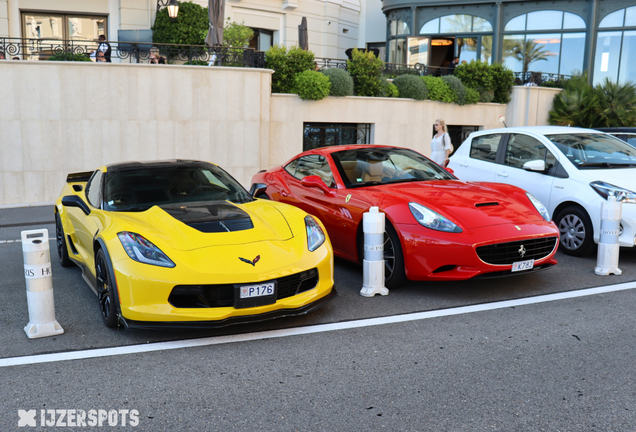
183,244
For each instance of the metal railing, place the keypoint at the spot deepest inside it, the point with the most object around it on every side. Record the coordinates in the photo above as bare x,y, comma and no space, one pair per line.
391,70
540,79
132,52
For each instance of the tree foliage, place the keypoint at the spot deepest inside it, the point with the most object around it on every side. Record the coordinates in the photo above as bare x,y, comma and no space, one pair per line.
365,69
607,105
236,35
189,28
286,65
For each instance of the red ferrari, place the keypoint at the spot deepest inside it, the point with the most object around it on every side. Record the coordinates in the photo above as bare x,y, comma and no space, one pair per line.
437,227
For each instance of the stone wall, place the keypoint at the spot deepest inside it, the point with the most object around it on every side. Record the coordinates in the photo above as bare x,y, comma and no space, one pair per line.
61,117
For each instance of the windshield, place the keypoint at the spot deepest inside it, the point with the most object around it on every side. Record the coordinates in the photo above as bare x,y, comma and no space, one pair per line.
372,166
595,150
143,187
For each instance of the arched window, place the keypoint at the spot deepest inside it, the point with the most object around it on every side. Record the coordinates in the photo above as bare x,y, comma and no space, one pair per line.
615,57
548,41
471,36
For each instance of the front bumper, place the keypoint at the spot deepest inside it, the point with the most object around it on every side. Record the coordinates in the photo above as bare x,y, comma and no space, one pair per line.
435,255
245,319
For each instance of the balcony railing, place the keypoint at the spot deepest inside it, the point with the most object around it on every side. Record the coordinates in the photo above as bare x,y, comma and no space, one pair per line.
391,70
132,52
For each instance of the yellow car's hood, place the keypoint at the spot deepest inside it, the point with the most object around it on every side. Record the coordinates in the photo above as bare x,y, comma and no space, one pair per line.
191,226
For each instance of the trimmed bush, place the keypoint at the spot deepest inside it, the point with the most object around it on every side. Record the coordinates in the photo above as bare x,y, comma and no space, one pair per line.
486,95
189,28
390,89
236,35
312,85
196,63
365,69
438,90
341,82
472,96
457,87
286,64
504,78
412,87
476,74
67,56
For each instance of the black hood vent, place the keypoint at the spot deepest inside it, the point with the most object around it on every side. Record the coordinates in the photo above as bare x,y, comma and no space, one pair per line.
210,217
486,204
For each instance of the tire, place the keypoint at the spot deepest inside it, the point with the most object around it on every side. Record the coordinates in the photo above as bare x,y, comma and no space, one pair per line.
62,248
577,233
106,293
394,275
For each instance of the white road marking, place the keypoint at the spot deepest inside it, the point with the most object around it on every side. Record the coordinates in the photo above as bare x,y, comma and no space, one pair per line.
320,328
18,241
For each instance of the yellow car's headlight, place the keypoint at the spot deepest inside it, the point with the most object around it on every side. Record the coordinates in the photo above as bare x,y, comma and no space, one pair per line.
315,236
141,250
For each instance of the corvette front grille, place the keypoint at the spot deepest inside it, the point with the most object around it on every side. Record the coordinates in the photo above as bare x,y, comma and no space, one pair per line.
222,295
508,253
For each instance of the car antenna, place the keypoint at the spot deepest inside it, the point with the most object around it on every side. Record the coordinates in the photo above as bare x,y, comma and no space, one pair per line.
502,119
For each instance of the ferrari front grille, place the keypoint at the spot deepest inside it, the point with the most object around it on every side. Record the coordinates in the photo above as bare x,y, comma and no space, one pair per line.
211,296
508,253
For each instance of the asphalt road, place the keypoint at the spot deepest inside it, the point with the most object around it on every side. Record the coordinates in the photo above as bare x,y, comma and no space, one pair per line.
561,365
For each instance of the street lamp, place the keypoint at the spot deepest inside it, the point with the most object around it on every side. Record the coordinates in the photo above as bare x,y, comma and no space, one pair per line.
173,7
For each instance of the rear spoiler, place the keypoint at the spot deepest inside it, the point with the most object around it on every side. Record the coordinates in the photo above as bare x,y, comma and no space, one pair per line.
79,177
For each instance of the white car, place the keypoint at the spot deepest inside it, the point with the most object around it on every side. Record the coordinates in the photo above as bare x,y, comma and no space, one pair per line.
570,170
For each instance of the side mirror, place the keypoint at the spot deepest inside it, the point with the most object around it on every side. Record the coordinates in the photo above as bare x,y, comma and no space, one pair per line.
534,165
75,201
258,189
450,170
316,182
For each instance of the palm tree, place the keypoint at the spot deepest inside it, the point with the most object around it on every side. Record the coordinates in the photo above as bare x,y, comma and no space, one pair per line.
529,52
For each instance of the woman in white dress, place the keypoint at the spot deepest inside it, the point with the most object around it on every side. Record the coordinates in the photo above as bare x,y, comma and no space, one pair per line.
441,145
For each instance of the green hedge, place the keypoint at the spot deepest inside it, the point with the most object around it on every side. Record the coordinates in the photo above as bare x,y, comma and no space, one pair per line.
311,85
457,87
341,81
412,87
189,28
67,56
438,90
365,69
472,96
286,65
494,82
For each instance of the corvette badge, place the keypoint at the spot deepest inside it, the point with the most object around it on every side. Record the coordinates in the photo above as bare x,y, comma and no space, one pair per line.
253,262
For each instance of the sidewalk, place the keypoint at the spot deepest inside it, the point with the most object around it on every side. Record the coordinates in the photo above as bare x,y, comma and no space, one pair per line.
23,216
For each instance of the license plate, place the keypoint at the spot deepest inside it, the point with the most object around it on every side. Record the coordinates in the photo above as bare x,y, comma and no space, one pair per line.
522,265
260,290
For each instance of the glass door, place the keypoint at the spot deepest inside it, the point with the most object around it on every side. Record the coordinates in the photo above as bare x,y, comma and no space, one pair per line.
417,52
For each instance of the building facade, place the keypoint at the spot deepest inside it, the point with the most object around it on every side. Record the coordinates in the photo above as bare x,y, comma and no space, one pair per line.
333,25
543,36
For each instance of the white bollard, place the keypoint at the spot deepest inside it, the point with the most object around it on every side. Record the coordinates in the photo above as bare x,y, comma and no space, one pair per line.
607,256
39,284
373,263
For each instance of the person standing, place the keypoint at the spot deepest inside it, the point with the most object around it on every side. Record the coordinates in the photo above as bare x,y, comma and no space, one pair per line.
441,146
104,47
452,65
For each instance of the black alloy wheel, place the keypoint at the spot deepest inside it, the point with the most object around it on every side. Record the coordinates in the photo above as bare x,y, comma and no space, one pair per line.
60,240
105,291
394,275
